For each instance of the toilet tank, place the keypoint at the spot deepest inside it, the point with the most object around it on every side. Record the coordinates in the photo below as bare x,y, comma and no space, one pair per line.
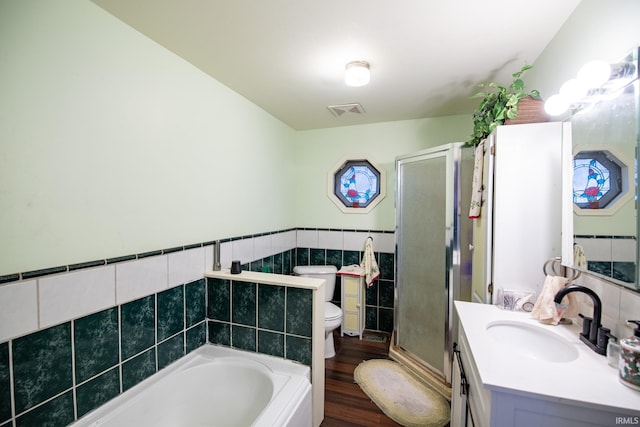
326,272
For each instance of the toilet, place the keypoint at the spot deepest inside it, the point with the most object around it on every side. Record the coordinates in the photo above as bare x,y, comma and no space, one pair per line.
332,313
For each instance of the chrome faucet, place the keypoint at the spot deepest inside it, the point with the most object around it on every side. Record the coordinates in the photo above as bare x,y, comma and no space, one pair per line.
593,334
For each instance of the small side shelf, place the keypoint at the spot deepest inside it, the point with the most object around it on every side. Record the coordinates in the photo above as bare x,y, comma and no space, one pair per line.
353,303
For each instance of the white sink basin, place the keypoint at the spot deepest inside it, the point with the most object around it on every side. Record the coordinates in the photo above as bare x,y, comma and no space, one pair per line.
531,341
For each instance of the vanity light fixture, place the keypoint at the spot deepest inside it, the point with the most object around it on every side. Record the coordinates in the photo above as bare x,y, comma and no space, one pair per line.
573,90
556,105
357,73
594,73
596,81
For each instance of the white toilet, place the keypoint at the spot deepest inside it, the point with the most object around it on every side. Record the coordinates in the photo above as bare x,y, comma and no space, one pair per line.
332,313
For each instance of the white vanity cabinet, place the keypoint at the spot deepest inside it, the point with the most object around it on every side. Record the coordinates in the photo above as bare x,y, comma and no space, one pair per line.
497,408
470,401
353,305
505,389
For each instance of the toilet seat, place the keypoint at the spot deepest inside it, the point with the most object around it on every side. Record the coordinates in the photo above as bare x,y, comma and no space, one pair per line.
331,311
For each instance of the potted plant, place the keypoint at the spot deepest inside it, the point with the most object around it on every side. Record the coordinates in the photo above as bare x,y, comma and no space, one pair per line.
499,104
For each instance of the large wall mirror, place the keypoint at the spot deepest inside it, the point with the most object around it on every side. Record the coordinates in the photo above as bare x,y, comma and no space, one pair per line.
604,207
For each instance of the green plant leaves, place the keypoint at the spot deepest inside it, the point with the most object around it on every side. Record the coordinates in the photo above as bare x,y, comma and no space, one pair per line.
519,74
517,85
512,112
498,104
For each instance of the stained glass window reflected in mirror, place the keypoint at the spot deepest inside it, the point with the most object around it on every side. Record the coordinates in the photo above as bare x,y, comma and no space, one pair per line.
597,179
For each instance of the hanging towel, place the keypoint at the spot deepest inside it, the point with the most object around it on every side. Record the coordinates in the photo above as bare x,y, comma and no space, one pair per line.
545,309
579,258
369,264
476,189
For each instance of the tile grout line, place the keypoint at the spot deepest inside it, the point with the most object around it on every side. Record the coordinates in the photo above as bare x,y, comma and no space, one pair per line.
286,294
155,329
184,319
120,373
73,369
257,316
11,384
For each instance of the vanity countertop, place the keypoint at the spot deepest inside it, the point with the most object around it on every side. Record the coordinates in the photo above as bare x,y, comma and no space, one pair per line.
586,381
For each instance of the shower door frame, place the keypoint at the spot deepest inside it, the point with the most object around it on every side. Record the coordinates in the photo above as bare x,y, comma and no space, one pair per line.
453,211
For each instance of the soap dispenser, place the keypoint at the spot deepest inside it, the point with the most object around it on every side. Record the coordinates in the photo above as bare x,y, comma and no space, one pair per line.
613,351
629,367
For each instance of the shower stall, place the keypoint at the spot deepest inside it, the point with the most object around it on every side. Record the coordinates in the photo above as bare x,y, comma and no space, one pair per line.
433,267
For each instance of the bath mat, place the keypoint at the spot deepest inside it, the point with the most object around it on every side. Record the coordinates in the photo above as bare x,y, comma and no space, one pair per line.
374,337
401,396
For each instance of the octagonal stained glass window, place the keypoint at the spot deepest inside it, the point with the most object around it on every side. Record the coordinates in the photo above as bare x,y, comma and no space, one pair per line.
357,183
597,179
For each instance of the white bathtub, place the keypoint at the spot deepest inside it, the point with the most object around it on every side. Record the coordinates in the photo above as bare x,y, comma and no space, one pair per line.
214,386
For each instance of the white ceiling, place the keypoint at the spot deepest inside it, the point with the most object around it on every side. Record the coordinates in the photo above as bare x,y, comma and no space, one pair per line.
288,56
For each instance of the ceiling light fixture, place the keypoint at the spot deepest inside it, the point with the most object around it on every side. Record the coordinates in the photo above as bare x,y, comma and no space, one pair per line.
357,73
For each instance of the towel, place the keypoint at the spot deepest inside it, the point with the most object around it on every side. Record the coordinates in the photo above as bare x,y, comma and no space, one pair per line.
476,189
369,264
579,258
545,309
351,270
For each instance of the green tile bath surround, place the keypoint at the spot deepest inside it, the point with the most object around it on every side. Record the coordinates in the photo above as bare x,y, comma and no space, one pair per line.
90,356
137,323
98,391
96,340
5,383
42,366
103,354
270,319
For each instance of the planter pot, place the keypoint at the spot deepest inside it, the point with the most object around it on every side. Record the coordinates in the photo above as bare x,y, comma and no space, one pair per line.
530,110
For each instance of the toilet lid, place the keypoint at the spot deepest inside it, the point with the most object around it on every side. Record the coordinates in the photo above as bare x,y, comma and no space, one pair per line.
331,311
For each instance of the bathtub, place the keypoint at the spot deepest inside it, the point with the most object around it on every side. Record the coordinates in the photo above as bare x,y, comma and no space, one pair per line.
213,386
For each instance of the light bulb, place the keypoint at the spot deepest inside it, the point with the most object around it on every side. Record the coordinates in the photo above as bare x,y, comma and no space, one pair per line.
573,90
556,105
594,73
357,73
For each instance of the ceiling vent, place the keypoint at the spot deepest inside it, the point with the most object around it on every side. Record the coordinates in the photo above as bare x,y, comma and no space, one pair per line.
340,110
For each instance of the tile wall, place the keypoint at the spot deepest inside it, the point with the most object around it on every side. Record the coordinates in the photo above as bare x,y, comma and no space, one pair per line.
61,372
611,256
339,247
73,337
619,304
269,319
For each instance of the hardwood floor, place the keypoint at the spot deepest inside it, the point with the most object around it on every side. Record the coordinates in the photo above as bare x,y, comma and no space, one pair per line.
345,404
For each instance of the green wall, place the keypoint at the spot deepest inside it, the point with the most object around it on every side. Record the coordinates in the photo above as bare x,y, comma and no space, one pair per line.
596,30
320,152
112,145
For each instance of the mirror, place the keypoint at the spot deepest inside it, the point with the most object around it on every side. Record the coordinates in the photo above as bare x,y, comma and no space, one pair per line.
604,130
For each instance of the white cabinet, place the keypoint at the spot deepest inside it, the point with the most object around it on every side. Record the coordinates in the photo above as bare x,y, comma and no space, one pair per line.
497,405
520,225
353,305
469,397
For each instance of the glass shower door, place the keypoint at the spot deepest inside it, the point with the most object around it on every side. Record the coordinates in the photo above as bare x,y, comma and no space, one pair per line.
425,227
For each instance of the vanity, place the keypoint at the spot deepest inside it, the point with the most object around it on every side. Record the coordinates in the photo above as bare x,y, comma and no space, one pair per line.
519,372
